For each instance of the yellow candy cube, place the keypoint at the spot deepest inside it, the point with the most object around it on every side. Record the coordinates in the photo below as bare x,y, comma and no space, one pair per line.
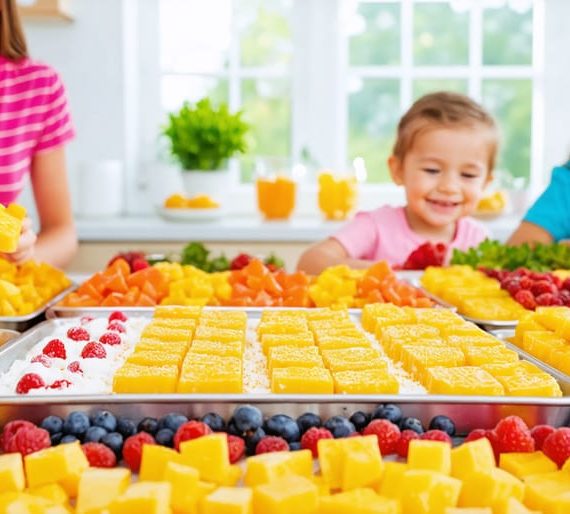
361,464
330,341
430,455
267,467
352,359
286,495
11,473
208,454
54,493
523,464
98,487
512,506
177,323
164,333
229,500
471,457
488,488
222,335
302,381
478,355
147,497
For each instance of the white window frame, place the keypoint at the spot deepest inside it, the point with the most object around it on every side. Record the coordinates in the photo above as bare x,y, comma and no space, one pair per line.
320,94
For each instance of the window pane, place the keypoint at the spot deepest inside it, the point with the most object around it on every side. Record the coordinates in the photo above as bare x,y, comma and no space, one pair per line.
375,34
510,101
425,86
374,110
265,32
507,35
176,89
267,106
195,35
441,35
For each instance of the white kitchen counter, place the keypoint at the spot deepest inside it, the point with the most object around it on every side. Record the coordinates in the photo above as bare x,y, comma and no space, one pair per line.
230,229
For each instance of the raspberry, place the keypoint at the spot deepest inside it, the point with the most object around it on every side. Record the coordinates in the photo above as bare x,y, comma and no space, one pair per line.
132,449
111,338
93,350
557,446
117,316
478,433
526,299
512,285
543,286
311,437
86,319
387,433
99,455
513,435
29,440
29,381
548,299
539,433
566,284
236,446
271,443
436,435
60,384
75,367
10,430
190,430
56,349
78,334
139,264
117,327
526,283
44,359
404,442
565,297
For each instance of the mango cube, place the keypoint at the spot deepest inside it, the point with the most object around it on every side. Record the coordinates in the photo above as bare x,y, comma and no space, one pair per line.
362,463
301,340
54,493
12,472
428,492
147,497
267,467
488,488
391,483
154,460
98,487
523,464
430,455
184,482
228,500
548,492
474,456
208,454
361,501
286,495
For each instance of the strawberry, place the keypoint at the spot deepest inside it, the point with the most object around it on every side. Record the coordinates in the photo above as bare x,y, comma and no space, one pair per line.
55,348
240,261
539,433
387,433
271,443
132,449
139,264
236,447
403,443
99,455
110,338
117,316
190,430
29,440
117,327
93,350
513,435
311,437
436,435
78,334
427,254
28,382
557,446
475,434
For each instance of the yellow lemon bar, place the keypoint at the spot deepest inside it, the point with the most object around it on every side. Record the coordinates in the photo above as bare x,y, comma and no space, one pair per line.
218,334
478,355
225,349
177,311
353,359
291,356
300,340
468,380
366,381
132,378
155,358
302,381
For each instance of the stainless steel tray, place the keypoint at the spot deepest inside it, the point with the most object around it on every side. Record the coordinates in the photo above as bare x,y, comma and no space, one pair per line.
467,413
21,323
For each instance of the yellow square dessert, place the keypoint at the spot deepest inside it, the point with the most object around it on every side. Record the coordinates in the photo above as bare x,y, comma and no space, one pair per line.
223,349
155,358
384,335
302,381
278,327
179,323
152,331
542,344
479,355
352,359
132,378
215,379
366,381
530,385
467,380
394,347
337,342
291,356
155,345
416,359
219,334
177,311
302,339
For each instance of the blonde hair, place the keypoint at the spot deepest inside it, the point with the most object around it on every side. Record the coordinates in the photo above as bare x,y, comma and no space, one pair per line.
12,40
444,109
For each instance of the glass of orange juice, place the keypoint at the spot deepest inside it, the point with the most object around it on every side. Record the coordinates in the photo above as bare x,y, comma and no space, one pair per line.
276,186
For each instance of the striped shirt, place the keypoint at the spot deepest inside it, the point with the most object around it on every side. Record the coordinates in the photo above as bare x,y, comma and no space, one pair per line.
34,118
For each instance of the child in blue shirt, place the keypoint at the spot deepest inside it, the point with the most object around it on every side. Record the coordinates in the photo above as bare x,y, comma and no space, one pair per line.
548,220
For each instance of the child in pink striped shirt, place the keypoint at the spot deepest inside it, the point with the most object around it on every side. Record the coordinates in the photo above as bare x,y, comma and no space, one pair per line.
443,157
35,126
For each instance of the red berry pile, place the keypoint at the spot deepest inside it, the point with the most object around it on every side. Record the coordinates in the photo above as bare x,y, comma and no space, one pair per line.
428,254
533,289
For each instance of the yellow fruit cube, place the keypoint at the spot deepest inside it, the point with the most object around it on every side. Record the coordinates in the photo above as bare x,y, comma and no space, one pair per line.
361,501
365,381
183,481
531,385
428,492
147,497
417,359
222,376
154,459
11,472
286,495
302,381
267,467
488,488
542,344
54,493
552,317
132,378
228,500
208,454
548,492
98,487
474,456
512,506
361,464
167,311
523,464
430,455
10,227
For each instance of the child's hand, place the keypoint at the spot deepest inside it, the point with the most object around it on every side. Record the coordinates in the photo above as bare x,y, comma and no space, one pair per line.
26,245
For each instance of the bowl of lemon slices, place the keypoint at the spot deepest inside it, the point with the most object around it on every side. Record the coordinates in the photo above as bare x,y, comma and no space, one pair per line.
179,207
492,206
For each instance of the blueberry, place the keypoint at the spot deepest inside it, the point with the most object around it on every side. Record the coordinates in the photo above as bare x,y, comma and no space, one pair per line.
68,439
165,437
339,426
389,411
360,420
53,424
172,421
94,434
247,417
56,438
126,427
104,419
114,441
252,439
214,421
308,420
76,424
149,425
444,424
412,424
232,429
295,446
283,426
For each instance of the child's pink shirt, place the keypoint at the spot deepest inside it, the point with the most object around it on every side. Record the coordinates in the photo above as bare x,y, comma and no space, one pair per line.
384,234
34,118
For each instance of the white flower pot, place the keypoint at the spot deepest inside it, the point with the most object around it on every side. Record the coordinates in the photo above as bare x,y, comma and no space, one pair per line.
211,183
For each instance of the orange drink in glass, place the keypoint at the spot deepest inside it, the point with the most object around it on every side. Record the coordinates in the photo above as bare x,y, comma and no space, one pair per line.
337,195
276,188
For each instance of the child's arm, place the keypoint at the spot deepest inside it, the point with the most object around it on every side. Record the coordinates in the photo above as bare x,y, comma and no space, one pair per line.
529,233
327,253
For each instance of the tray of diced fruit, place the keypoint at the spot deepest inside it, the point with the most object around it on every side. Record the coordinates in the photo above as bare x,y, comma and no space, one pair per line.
389,350
261,458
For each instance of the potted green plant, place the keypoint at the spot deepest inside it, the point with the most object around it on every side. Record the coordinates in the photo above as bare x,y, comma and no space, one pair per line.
202,138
